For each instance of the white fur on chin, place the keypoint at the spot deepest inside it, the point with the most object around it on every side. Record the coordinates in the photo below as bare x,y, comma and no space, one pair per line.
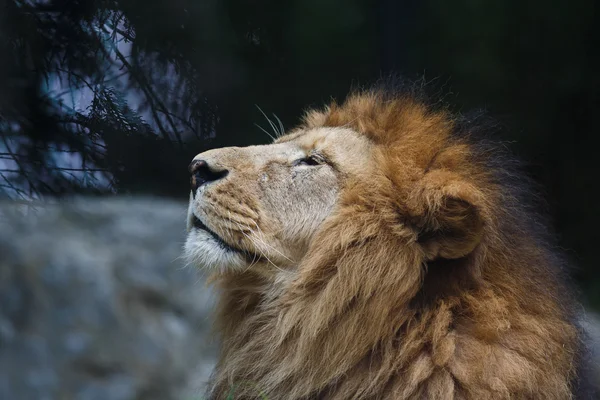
203,251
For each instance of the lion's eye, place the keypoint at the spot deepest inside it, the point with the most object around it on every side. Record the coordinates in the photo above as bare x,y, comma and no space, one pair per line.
312,160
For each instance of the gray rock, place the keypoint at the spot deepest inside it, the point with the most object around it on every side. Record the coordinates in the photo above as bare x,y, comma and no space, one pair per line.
95,303
591,324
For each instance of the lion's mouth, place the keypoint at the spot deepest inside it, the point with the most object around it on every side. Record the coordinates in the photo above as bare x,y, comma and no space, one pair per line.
201,226
198,224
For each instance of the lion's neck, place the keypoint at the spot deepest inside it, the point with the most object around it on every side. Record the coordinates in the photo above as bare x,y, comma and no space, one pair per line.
280,341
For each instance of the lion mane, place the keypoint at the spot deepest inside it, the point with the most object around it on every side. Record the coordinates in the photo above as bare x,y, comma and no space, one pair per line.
434,279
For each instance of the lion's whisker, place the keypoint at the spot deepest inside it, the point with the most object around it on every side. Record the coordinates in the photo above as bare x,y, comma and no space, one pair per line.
259,236
262,252
281,129
259,232
269,121
265,131
254,256
255,245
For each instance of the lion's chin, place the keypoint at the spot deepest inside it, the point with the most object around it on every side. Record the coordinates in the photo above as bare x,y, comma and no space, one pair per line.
203,250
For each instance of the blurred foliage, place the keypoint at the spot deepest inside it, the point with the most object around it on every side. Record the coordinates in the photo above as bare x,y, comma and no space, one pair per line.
102,96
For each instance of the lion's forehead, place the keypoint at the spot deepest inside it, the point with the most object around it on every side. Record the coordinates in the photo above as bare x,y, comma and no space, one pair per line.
324,136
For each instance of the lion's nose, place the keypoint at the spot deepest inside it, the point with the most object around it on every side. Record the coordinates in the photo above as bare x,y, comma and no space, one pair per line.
203,173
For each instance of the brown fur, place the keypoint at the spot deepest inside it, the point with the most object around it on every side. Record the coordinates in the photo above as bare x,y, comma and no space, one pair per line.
428,281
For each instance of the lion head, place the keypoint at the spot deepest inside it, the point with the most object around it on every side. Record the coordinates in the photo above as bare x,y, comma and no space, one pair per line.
379,250
262,205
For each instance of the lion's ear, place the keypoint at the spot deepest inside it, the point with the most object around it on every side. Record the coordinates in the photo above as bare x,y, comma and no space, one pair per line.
451,223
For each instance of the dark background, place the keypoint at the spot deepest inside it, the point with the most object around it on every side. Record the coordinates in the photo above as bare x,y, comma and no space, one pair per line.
104,96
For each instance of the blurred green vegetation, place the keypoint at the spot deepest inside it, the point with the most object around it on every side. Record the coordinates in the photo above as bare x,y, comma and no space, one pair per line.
131,90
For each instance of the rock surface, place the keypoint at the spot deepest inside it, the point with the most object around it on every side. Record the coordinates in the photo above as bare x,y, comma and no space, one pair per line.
96,305
591,324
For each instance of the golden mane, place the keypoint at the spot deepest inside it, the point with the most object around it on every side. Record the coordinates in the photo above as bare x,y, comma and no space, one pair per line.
431,280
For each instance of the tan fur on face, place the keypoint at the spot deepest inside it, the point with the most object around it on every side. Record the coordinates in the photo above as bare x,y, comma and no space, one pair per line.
416,274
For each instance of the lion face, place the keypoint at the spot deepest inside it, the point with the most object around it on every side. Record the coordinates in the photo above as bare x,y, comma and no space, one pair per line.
260,206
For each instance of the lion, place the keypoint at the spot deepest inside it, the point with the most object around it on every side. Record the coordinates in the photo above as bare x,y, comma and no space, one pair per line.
381,250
